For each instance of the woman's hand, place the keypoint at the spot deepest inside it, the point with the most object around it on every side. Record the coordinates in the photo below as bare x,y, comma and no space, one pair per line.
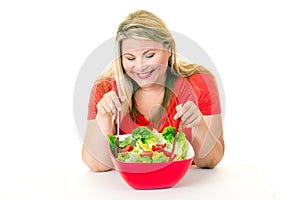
189,113
107,108
109,104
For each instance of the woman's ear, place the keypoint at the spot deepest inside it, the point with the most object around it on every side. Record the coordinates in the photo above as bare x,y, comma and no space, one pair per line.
169,50
167,46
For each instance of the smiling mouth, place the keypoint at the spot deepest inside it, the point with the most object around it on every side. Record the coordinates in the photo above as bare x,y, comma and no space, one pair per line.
144,75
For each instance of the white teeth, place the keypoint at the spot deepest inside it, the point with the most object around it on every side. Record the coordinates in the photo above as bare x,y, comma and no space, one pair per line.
144,74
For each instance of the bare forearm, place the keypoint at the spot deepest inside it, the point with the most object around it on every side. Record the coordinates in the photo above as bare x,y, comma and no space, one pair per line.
105,124
94,164
208,145
95,152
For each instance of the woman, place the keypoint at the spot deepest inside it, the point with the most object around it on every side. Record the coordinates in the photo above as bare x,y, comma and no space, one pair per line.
153,87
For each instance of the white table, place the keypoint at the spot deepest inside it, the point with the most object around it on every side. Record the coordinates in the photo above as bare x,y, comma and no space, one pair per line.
239,182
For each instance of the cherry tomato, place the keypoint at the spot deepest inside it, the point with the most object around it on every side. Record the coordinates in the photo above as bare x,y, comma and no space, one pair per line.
147,153
127,148
123,154
158,147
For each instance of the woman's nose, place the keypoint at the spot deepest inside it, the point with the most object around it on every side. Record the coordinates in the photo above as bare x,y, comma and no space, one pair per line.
140,62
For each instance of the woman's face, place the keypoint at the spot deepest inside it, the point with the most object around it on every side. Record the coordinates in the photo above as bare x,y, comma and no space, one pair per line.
145,61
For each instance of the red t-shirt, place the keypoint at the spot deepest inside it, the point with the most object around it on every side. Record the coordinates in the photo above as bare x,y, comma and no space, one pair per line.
199,88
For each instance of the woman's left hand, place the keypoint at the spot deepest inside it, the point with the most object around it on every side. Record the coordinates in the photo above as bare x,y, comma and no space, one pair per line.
189,113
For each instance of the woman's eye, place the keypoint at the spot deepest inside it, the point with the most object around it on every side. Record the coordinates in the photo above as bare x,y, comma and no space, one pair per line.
130,58
150,55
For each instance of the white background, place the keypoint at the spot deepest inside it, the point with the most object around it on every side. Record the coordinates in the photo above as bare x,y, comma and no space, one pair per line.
253,44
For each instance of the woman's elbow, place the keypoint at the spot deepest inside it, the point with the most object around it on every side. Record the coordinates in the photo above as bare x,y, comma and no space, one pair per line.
93,163
96,167
208,162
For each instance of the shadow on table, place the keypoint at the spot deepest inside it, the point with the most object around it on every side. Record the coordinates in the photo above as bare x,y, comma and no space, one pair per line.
224,182
196,177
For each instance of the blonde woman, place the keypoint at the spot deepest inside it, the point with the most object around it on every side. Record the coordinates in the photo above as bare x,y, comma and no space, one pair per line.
153,87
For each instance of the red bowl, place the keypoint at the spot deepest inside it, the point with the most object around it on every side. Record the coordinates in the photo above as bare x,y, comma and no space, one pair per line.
143,176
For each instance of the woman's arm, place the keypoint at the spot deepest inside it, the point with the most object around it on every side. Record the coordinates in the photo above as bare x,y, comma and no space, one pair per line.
207,134
208,141
95,152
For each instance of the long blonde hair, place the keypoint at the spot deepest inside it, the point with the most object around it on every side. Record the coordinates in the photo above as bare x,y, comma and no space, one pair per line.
145,25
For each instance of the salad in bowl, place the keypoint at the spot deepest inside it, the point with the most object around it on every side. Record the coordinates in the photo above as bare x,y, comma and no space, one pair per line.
146,146
147,159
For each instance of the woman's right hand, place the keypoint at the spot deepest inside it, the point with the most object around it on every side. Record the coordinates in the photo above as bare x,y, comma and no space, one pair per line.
107,107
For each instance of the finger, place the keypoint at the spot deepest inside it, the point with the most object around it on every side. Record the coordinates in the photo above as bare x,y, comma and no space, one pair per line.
191,114
116,102
188,117
106,105
111,102
122,98
178,107
179,112
188,111
193,120
101,109
193,123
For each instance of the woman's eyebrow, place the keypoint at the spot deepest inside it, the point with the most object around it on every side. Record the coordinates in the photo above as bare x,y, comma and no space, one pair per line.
128,54
145,52
148,51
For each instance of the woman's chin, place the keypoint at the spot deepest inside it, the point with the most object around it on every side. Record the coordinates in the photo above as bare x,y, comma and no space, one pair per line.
150,83
146,84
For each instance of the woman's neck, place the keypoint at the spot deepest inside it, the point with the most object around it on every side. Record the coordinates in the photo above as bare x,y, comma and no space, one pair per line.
149,102
153,89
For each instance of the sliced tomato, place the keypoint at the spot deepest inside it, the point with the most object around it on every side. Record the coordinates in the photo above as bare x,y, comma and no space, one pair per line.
123,154
146,153
163,145
168,153
128,148
158,147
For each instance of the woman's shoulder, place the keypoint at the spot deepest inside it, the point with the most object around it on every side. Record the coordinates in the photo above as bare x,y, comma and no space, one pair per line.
197,79
103,85
200,77
204,88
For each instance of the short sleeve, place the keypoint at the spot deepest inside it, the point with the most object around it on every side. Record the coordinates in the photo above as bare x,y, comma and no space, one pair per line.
99,89
206,91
